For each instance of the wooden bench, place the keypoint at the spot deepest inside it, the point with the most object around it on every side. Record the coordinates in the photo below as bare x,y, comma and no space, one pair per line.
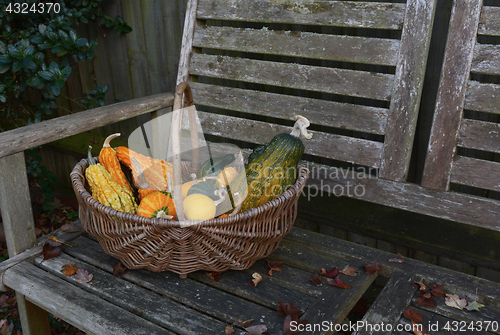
362,96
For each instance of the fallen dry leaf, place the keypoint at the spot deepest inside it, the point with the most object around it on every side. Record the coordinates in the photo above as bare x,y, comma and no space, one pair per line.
437,290
339,283
51,249
418,329
287,326
474,306
334,272
287,309
426,300
453,300
316,279
412,315
229,330
421,286
256,330
371,268
83,276
69,270
118,269
6,327
214,275
257,278
273,266
350,271
400,259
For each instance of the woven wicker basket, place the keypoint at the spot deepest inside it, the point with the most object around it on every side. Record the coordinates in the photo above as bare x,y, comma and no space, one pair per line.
232,242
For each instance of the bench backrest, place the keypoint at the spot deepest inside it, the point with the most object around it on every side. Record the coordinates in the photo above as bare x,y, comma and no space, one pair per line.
467,103
354,69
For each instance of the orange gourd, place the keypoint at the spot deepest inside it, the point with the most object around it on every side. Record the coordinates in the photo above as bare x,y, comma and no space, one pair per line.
155,202
109,159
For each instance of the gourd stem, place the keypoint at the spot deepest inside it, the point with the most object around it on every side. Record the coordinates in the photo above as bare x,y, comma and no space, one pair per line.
89,155
300,127
162,215
222,193
108,139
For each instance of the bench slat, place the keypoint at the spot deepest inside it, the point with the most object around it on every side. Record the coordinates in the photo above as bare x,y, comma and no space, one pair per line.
483,97
83,310
485,59
476,173
490,22
351,49
389,304
333,146
314,78
479,135
320,112
168,314
322,13
451,93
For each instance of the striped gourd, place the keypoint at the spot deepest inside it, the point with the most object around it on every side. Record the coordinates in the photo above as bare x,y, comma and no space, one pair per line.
109,159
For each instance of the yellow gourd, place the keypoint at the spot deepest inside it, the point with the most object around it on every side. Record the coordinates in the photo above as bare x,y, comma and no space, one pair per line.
187,186
199,207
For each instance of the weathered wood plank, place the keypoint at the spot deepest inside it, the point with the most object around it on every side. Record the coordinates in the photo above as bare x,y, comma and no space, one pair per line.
353,49
324,13
408,82
464,285
485,59
476,211
320,112
89,313
451,93
321,79
389,304
476,173
480,135
135,299
181,290
483,97
490,24
187,41
20,139
333,146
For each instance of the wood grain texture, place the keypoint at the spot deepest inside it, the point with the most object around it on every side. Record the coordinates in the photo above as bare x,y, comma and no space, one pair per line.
314,78
407,89
324,13
20,139
483,97
390,303
476,173
476,211
187,41
320,112
479,135
333,146
353,49
485,59
451,93
490,22
89,312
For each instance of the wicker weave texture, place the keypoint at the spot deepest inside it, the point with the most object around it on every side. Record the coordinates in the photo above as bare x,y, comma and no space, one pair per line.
233,242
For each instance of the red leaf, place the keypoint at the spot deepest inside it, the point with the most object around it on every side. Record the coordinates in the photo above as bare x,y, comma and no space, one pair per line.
273,266
214,275
400,259
339,283
118,269
286,325
83,276
256,330
437,290
316,279
229,330
426,301
371,268
412,315
334,272
287,309
51,249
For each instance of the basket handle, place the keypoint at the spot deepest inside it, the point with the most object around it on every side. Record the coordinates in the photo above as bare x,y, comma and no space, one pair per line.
183,90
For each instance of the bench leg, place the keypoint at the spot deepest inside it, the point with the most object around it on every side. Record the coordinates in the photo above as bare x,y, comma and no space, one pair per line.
34,320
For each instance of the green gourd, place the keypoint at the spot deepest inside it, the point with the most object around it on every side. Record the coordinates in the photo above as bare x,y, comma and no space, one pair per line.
207,188
273,167
215,164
